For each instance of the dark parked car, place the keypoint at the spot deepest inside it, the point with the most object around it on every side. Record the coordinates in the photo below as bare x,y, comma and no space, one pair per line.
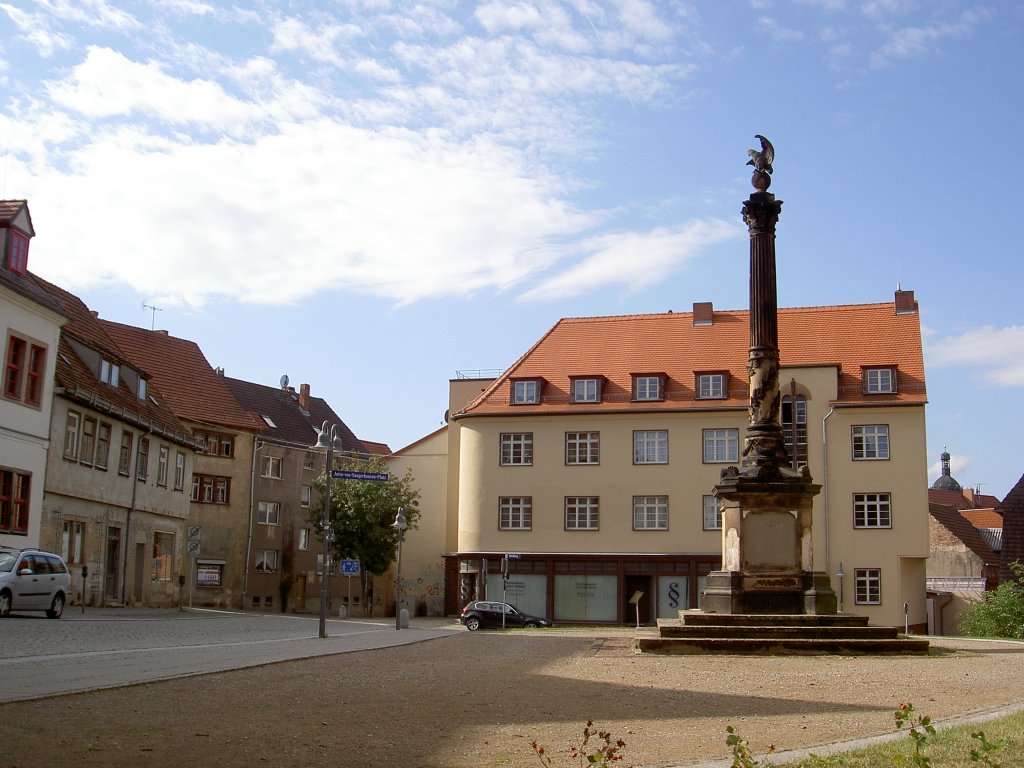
487,614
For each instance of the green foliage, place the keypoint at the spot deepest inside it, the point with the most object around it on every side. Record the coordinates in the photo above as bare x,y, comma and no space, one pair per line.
999,613
921,732
362,513
983,752
605,753
742,757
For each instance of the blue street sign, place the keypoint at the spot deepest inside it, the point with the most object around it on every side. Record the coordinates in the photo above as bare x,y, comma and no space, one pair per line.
346,474
349,567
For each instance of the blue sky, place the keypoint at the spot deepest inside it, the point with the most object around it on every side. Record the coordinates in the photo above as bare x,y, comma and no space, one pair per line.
369,195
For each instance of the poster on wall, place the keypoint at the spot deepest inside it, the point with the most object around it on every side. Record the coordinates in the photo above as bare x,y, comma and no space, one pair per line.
586,597
673,596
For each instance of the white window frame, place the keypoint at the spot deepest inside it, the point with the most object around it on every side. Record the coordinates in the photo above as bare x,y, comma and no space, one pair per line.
110,372
269,513
303,543
525,392
721,446
582,513
711,386
872,510
305,496
879,381
867,586
266,561
798,414
582,448
516,449
647,388
270,467
515,513
870,442
650,446
142,459
87,440
72,429
712,513
163,461
309,462
179,471
124,453
586,391
650,513
103,432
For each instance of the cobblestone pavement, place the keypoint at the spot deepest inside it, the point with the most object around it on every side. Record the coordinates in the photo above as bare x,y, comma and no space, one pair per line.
107,647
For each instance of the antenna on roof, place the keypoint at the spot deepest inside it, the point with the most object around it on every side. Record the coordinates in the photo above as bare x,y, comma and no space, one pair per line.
154,310
284,381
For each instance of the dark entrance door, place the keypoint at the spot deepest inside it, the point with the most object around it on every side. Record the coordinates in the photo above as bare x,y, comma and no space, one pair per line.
633,585
112,565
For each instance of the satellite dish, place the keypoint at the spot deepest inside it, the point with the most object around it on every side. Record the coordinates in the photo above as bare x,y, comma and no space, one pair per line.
284,381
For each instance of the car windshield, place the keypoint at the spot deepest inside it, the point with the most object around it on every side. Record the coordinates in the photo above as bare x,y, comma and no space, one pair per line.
7,562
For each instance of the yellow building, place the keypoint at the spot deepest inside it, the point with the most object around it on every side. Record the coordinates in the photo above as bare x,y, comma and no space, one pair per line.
586,469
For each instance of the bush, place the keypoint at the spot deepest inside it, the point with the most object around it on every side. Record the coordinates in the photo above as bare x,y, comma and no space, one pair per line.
999,613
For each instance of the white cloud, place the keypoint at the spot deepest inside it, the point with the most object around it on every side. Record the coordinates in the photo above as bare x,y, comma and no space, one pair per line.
991,353
34,29
919,41
94,13
632,259
777,32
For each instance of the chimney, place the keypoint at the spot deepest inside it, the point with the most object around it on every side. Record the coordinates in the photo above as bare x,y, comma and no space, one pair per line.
703,311
304,397
905,303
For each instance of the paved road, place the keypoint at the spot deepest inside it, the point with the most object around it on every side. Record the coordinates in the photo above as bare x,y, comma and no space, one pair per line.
105,648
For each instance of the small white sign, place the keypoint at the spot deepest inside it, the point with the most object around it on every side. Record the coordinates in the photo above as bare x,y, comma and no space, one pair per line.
195,532
192,548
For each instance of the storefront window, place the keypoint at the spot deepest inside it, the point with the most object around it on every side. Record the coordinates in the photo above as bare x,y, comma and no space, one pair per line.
526,591
585,597
673,596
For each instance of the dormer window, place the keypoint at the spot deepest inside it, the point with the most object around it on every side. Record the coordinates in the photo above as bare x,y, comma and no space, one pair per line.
525,392
142,388
586,390
648,387
17,256
110,373
879,381
711,386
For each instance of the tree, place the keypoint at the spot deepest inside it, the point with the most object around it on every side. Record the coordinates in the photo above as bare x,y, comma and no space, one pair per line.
999,613
362,512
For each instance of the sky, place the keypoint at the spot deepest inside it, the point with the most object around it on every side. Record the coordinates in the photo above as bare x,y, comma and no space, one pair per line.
369,196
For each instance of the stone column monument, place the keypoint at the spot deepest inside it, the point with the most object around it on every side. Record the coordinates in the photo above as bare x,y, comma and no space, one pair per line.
767,546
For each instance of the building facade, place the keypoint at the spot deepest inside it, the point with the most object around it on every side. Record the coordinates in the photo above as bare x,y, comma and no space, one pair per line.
586,471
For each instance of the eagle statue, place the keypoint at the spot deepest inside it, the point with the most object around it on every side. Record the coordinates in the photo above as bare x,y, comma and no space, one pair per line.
762,161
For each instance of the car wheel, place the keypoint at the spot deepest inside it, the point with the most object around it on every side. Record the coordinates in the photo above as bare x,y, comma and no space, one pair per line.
56,607
530,625
472,623
5,603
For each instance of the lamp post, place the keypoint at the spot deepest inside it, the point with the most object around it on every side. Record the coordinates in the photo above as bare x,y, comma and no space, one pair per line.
326,440
399,525
840,573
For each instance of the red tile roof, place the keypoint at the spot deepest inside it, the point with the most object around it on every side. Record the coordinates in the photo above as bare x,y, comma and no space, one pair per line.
193,389
376,449
849,337
964,531
982,518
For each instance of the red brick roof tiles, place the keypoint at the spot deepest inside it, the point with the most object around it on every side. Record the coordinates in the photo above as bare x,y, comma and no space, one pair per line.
982,518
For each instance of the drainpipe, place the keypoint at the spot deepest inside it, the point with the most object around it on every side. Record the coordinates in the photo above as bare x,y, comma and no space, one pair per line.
256,446
824,482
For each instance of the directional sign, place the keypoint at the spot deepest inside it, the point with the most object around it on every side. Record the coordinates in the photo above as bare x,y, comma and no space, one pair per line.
345,474
349,567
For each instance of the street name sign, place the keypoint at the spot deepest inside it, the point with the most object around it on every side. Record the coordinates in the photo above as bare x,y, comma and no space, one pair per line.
346,474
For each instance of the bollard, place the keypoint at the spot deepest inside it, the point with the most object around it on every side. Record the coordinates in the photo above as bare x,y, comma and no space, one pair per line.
85,574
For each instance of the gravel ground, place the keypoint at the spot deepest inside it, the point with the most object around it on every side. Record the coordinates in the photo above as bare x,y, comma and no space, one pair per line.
479,699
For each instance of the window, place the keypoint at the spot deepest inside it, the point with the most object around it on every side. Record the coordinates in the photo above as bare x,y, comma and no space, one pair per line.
711,386
310,461
24,369
721,445
868,586
871,441
141,392
305,495
17,257
217,445
525,392
209,489
124,458
581,513
872,510
582,447
179,471
15,489
110,373
879,381
71,541
271,467
650,446
34,375
72,427
103,445
163,460
650,513
515,513
517,449
586,391
87,441
163,556
647,388
303,539
269,513
142,464
794,414
712,514
266,560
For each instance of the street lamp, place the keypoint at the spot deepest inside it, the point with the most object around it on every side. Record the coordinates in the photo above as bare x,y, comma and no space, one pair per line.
326,440
840,574
399,525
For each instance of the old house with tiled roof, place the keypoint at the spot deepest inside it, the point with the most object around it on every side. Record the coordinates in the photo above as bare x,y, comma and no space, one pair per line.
116,498
30,322
283,563
1012,510
221,486
593,458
